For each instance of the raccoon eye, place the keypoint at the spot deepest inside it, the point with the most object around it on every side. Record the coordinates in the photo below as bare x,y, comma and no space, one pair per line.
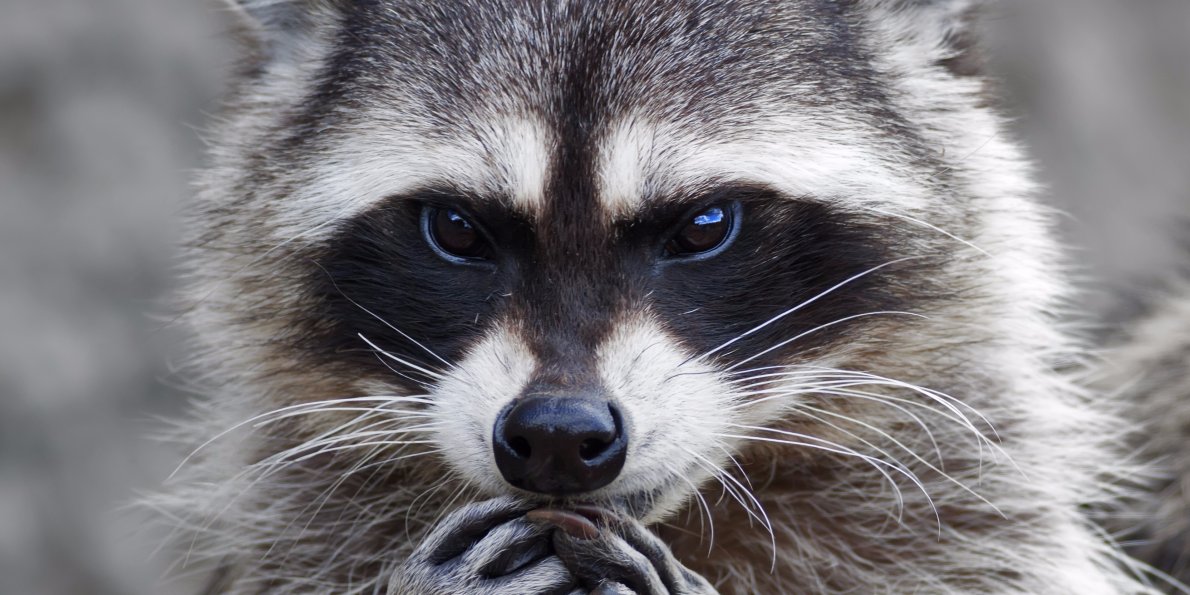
704,232
452,233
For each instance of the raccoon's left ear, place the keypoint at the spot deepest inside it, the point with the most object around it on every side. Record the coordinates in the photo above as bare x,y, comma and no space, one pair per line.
951,28
279,27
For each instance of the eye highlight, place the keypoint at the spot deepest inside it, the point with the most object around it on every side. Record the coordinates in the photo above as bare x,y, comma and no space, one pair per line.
705,231
453,235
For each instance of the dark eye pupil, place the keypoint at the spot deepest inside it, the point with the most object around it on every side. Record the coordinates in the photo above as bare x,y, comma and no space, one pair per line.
704,232
455,234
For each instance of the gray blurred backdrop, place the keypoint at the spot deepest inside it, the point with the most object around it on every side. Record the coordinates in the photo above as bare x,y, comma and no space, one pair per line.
99,101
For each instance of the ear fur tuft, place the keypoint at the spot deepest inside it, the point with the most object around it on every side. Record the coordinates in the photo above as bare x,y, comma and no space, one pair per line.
277,26
952,26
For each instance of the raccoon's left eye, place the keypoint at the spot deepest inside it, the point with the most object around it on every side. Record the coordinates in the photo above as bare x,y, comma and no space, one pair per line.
453,235
704,232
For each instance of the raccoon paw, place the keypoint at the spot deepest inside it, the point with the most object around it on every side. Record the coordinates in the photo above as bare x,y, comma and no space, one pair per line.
486,548
621,557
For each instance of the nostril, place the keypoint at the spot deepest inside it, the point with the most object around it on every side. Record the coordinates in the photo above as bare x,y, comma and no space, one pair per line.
520,446
591,448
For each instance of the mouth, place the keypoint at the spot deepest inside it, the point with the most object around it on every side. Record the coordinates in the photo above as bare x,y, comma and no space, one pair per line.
641,505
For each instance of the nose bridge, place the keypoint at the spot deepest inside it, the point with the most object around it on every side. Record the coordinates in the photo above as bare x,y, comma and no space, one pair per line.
570,295
560,382
572,287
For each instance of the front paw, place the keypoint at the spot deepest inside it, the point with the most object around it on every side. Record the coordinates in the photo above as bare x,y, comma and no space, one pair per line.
484,549
622,557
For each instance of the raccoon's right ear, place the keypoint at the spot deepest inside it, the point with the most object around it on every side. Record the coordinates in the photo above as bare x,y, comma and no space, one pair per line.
281,27
952,26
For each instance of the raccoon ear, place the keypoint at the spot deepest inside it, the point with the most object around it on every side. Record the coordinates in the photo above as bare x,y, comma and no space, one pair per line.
951,28
278,27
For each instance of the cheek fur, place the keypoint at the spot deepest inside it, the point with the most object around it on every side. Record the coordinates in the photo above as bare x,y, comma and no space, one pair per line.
676,409
468,399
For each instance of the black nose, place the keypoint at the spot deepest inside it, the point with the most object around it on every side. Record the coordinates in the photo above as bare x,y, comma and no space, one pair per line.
559,445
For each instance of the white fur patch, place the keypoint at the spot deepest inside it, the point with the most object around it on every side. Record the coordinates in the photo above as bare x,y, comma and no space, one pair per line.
673,409
468,400
494,159
802,156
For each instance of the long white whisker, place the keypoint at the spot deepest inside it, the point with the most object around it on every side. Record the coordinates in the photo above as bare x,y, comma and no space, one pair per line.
702,508
324,497
833,389
319,502
950,403
761,516
819,328
404,362
940,397
900,445
828,446
422,383
798,307
389,325
933,227
312,405
319,447
368,412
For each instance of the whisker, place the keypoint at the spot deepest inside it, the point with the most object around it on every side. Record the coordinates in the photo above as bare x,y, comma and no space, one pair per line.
946,401
421,383
761,516
387,323
828,446
933,227
324,497
404,362
371,411
282,457
900,445
819,328
798,307
315,404
940,397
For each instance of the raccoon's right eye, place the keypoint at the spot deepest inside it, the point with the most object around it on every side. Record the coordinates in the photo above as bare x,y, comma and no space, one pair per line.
453,235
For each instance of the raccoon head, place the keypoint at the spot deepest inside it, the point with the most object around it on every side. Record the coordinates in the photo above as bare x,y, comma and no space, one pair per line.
594,250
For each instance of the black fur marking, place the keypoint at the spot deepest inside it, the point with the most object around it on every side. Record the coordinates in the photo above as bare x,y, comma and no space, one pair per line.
379,271
787,252
564,283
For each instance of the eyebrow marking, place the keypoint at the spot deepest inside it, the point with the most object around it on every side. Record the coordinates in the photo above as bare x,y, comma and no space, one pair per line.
360,168
623,162
521,149
798,156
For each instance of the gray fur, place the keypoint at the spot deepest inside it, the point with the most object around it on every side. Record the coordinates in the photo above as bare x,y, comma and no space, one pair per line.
960,460
1150,369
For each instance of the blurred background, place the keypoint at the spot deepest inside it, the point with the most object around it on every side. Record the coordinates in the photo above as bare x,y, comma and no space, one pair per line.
100,101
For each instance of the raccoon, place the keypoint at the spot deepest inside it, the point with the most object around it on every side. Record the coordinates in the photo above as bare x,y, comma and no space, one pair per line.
653,296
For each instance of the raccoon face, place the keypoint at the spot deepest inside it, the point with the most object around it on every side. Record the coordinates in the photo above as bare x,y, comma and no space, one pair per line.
599,248
573,350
